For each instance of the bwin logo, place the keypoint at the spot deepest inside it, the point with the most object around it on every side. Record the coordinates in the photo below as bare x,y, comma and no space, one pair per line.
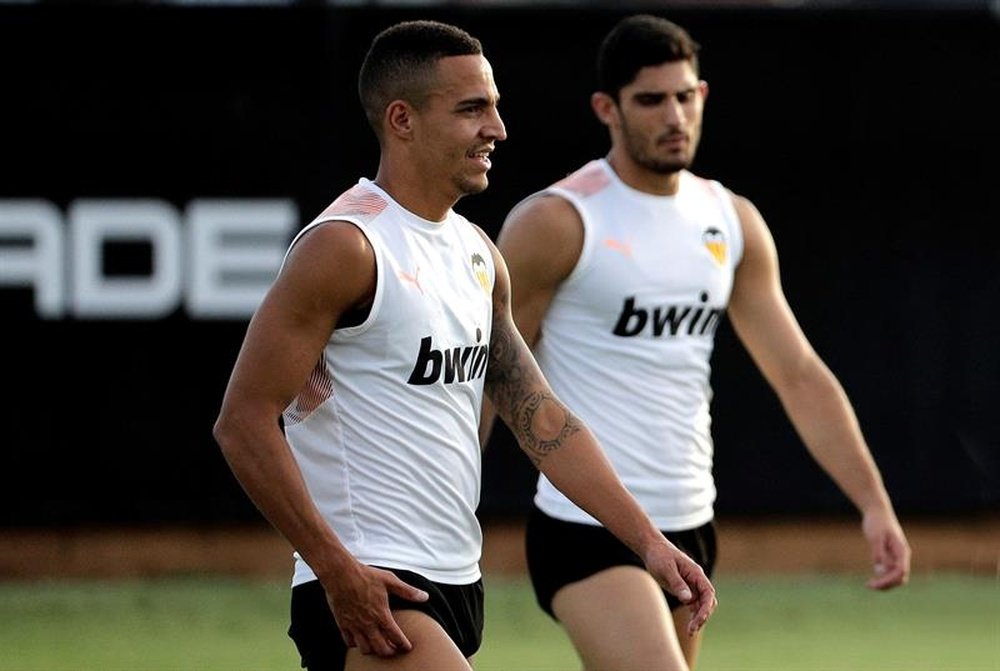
667,319
460,364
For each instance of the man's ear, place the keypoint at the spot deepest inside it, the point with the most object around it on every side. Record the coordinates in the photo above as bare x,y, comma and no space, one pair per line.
605,108
399,119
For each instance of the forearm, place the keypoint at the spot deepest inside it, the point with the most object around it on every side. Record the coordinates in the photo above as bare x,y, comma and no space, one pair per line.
822,415
581,471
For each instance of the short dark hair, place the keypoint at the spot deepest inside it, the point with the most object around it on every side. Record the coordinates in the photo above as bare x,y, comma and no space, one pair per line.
400,63
636,42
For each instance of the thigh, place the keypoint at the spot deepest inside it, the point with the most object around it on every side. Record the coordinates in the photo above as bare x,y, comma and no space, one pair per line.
314,631
432,648
456,611
561,553
619,620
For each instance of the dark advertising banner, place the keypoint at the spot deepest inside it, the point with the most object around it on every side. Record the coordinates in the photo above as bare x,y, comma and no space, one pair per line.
155,161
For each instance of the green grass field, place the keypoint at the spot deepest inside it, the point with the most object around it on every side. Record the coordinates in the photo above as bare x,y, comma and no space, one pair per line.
823,623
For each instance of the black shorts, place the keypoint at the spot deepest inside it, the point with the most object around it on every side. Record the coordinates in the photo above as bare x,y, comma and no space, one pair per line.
560,553
457,608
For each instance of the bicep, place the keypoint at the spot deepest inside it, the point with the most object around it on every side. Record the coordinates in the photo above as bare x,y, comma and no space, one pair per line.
758,308
508,349
512,373
328,273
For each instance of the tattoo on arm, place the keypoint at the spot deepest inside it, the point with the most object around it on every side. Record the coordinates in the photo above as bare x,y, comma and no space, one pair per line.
539,444
539,421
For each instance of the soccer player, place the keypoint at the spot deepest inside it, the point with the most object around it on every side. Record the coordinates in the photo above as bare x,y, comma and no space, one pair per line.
620,274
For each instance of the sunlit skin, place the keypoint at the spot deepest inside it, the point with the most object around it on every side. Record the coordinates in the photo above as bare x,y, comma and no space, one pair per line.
655,125
436,153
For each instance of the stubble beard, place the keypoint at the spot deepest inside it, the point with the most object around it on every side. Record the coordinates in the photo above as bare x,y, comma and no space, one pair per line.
636,144
469,186
660,166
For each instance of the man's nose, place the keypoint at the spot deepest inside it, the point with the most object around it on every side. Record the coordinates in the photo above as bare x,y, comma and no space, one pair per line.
674,111
495,129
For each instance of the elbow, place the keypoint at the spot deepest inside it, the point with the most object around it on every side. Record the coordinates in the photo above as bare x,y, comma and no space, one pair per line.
233,438
241,428
226,434
544,425
553,420
796,371
805,381
219,430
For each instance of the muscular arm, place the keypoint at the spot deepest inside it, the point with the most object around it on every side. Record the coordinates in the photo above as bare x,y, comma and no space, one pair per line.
564,449
329,272
540,242
812,397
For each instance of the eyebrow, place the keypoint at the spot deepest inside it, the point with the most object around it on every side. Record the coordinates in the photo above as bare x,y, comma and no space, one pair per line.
478,101
657,97
663,94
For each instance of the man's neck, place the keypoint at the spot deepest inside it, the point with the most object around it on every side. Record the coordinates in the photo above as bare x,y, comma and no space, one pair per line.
643,179
414,195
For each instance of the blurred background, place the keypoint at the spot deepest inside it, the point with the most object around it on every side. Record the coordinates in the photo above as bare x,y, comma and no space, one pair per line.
155,159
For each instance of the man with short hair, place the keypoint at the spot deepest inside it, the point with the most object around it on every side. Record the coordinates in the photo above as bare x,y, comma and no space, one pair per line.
620,275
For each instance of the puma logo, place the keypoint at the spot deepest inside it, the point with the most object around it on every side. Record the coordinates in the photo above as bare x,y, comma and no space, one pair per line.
413,279
623,247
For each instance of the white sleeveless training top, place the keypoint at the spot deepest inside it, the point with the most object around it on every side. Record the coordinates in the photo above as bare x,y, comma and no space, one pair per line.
628,336
385,431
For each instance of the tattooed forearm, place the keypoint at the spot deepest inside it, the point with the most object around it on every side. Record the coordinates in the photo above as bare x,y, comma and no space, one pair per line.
539,421
540,437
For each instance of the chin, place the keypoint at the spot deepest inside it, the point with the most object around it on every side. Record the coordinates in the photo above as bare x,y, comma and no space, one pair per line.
470,187
667,167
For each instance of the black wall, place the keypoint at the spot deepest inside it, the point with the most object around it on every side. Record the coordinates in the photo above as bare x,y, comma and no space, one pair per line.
867,139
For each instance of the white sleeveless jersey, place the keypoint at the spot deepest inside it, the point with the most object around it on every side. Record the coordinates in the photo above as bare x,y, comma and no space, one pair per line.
628,336
385,431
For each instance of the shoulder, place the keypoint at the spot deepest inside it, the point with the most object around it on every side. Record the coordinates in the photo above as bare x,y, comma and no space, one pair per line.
486,240
758,245
543,218
744,206
542,240
556,210
544,206
750,219
361,201
543,233
591,179
335,238
332,256
713,189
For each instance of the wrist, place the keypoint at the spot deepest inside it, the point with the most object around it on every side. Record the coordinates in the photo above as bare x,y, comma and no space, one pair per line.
878,504
651,540
331,563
